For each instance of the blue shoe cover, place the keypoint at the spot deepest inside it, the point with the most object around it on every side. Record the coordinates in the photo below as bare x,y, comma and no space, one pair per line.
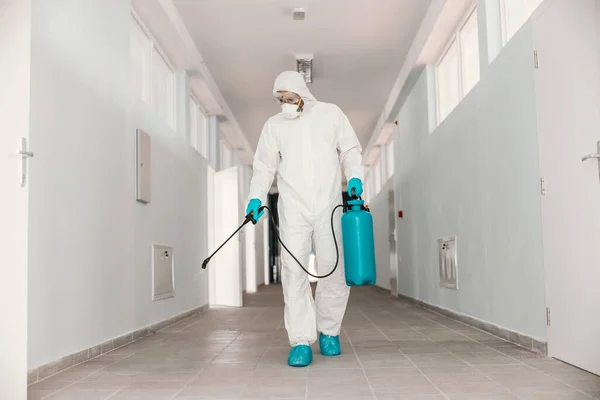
300,356
330,345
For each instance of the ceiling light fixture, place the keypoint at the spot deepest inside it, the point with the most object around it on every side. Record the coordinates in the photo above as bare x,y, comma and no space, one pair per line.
304,66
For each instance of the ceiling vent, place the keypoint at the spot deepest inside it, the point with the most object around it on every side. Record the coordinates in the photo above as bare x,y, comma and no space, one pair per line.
299,14
304,66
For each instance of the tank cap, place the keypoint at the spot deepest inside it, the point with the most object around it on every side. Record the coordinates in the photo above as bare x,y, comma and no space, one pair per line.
356,202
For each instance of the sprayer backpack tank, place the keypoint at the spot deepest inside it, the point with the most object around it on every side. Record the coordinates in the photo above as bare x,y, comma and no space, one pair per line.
357,241
359,244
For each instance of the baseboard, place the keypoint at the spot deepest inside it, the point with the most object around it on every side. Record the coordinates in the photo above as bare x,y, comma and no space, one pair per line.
381,289
55,367
524,341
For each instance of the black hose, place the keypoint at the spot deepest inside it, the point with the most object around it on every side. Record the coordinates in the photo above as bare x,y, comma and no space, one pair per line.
249,218
337,250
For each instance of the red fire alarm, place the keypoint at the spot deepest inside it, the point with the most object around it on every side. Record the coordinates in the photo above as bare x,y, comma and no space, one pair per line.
400,214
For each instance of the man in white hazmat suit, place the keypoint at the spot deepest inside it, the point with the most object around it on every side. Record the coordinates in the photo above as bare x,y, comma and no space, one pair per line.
304,145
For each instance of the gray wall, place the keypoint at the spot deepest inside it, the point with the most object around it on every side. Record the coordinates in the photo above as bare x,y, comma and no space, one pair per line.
476,176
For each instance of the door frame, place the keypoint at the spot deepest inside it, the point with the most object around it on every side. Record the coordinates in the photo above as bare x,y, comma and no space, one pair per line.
392,242
15,81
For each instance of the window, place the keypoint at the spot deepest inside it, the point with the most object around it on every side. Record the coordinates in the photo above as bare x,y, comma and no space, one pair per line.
457,72
163,89
193,124
469,51
226,156
367,184
448,85
140,47
198,132
513,14
377,177
202,134
390,158
152,79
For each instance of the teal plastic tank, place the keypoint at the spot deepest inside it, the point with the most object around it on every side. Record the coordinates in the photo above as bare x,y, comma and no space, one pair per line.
359,245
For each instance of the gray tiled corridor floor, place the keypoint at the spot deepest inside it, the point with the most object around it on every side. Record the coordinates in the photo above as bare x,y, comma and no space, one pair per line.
391,350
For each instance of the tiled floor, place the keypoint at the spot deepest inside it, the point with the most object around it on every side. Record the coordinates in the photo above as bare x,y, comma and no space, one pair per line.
391,350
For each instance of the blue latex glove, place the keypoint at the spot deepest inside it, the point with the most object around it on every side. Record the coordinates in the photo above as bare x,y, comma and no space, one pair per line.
253,206
355,184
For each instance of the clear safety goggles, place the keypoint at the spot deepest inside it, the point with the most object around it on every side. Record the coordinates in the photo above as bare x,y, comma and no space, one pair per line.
287,98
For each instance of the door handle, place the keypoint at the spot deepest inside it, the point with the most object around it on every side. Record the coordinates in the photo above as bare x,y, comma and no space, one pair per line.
25,154
590,156
593,156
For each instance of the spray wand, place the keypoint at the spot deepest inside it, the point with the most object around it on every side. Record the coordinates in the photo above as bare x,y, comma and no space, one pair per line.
250,218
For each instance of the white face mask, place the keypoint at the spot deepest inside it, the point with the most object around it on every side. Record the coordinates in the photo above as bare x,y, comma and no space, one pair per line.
290,111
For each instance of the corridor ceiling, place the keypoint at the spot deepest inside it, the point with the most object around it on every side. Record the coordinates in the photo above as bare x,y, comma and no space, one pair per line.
359,47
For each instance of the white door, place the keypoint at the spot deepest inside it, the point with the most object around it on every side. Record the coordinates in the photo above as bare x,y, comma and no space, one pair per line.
210,222
259,246
568,100
266,248
249,263
15,27
225,268
392,241
247,235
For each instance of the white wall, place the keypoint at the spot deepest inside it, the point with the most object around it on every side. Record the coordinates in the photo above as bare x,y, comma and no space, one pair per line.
379,208
476,176
90,242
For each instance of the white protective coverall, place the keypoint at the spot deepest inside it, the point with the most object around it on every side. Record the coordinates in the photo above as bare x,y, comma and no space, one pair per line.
306,153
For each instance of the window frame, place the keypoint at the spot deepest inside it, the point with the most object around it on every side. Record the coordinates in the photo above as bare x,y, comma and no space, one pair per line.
456,40
201,132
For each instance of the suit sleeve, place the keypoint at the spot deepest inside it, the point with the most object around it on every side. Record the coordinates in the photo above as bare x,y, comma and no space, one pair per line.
264,166
350,149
